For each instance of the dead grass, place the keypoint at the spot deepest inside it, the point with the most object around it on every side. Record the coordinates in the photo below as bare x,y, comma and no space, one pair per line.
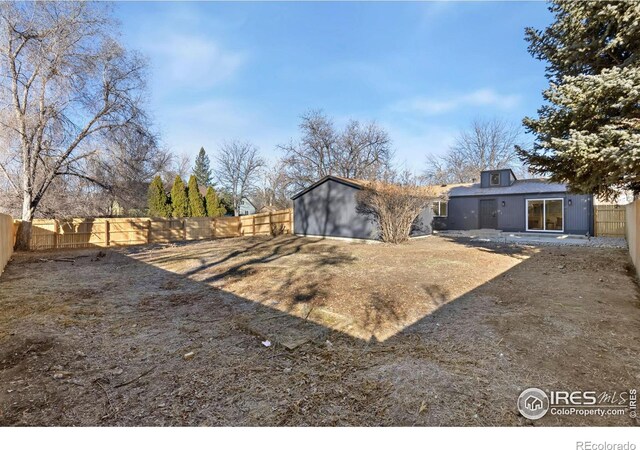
433,332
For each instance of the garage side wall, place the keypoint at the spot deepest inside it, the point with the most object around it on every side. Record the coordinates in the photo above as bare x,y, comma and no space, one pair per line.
463,212
424,223
330,210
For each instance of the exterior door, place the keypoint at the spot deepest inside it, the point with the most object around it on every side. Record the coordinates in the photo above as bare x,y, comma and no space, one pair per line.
489,214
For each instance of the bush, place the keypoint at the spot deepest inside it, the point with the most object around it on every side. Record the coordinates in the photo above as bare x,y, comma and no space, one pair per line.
213,204
196,202
179,201
159,205
277,229
394,206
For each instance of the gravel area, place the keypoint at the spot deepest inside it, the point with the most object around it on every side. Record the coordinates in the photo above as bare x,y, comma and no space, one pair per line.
555,241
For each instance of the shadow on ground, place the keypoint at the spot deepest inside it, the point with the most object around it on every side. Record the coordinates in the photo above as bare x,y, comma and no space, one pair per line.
118,340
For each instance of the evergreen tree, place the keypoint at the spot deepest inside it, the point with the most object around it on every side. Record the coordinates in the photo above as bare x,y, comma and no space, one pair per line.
196,202
179,200
588,133
202,169
226,202
159,205
213,205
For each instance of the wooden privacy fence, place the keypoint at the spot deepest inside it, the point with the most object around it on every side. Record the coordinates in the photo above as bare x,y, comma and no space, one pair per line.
79,233
633,232
609,220
7,239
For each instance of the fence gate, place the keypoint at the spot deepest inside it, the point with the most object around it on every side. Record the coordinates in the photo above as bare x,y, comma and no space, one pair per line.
609,220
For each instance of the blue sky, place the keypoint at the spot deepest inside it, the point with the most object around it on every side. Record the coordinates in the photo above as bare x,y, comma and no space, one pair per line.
221,71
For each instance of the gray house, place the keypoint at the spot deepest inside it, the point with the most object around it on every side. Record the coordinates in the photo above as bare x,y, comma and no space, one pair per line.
500,201
328,208
245,207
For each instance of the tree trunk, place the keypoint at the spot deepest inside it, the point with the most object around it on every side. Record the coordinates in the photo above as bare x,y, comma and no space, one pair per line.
24,230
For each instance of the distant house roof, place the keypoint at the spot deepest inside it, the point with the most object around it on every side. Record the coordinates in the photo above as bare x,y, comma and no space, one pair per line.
530,186
248,201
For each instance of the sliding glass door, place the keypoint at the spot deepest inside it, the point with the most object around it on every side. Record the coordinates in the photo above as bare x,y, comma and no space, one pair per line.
545,214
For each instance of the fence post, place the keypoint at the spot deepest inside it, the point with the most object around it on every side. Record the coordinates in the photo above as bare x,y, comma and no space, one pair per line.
148,231
271,229
184,229
253,225
213,234
106,233
56,231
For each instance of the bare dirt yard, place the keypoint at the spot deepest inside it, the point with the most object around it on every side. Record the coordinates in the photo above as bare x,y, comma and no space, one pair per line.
434,332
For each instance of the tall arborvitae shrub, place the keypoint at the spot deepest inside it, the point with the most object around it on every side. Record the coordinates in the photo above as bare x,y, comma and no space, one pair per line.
196,202
157,199
179,200
212,204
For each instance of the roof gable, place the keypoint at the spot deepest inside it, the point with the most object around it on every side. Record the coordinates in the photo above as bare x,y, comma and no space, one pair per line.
358,184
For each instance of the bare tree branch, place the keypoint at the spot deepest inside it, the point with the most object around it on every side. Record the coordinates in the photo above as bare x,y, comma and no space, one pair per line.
485,145
71,87
237,169
359,151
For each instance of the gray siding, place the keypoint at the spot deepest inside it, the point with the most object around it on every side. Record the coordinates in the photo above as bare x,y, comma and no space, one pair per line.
506,178
329,209
424,223
463,212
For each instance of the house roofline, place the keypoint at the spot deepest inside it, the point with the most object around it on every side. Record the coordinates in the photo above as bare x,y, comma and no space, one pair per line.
247,199
516,193
322,180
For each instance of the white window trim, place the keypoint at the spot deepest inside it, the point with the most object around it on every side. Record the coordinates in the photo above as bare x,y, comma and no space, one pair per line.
544,214
491,178
440,202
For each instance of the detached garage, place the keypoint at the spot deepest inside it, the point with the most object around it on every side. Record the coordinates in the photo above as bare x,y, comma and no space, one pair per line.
328,208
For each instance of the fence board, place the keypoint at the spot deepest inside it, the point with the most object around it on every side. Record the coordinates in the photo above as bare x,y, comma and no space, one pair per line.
197,228
167,230
633,232
609,220
7,239
90,232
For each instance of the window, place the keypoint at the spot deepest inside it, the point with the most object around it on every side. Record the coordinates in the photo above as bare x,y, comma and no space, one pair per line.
440,209
495,179
545,214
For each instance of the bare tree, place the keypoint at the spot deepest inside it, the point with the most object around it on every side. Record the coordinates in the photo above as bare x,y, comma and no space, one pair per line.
394,204
69,84
178,165
359,151
485,145
273,188
237,170
126,166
